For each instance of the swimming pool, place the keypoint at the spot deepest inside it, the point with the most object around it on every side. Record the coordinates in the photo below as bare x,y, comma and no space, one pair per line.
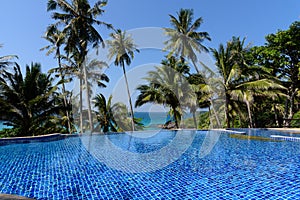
95,167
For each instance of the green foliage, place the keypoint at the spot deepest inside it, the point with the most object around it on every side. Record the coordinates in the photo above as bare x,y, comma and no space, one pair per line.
243,82
78,19
29,103
113,117
167,86
184,39
281,55
295,123
204,122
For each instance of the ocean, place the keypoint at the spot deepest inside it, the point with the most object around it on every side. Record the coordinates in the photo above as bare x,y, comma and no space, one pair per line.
2,126
152,120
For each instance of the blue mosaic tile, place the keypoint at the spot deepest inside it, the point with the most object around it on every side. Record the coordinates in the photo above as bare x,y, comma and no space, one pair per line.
234,169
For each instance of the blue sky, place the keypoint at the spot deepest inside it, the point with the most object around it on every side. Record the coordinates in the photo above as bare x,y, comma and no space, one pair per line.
23,23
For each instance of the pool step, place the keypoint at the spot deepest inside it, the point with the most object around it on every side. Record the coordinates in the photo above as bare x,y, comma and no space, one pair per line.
286,138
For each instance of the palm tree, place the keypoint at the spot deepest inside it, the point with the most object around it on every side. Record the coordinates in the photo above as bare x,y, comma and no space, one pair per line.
185,40
94,69
113,117
241,81
95,75
4,60
57,39
223,63
105,114
122,48
168,87
29,103
180,66
79,18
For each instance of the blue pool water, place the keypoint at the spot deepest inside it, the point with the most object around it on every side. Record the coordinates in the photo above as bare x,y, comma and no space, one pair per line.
153,165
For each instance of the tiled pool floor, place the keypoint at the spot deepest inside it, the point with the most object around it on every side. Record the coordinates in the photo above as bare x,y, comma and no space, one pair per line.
234,169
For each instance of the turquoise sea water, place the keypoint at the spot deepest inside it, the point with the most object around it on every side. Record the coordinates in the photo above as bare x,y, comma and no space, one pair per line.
151,120
2,126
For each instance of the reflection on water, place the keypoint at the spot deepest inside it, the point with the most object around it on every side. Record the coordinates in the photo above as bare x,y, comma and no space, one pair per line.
135,154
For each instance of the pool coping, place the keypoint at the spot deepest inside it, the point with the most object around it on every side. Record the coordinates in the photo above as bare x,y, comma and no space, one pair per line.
13,197
60,136
38,138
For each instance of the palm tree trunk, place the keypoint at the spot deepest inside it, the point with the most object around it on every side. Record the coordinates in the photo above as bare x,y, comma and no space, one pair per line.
215,114
80,99
129,98
249,114
286,109
175,117
276,116
227,109
198,71
64,91
292,105
88,98
195,119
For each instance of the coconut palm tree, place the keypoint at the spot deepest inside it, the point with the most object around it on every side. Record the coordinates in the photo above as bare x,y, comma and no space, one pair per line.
57,39
29,103
113,117
168,87
240,81
5,60
185,40
122,49
78,19
105,114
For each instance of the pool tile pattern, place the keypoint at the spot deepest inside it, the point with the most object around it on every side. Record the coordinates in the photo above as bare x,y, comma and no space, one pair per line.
234,169
286,138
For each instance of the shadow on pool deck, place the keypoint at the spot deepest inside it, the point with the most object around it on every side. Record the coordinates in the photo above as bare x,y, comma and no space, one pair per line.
12,197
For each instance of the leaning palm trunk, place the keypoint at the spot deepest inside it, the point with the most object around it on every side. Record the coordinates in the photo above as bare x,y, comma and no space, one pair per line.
129,98
198,71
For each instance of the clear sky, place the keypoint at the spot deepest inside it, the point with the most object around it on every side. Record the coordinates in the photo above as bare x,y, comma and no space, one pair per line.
23,22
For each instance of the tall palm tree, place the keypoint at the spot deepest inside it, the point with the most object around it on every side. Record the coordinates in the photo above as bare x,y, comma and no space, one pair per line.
29,103
78,19
185,40
223,63
122,48
57,39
